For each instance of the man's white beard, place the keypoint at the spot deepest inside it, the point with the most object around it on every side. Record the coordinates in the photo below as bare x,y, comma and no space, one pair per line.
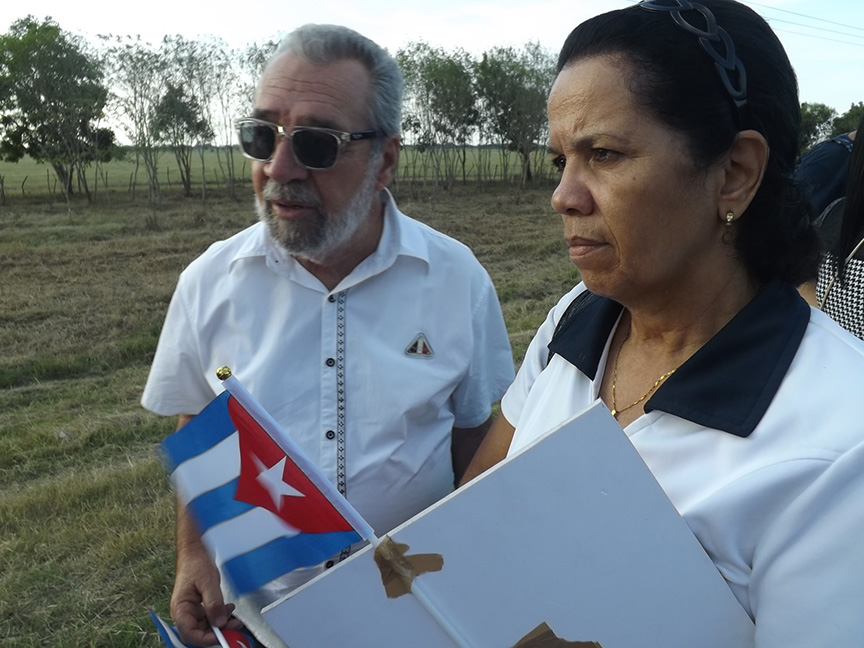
325,235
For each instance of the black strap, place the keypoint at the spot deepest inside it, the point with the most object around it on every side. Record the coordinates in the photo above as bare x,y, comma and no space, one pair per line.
579,303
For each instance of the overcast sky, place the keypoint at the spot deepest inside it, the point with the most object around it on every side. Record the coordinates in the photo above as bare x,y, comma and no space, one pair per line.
825,40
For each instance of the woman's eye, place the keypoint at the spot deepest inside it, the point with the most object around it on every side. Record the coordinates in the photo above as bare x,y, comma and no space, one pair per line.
602,155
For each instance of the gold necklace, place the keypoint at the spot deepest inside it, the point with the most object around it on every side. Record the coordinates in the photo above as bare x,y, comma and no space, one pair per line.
615,410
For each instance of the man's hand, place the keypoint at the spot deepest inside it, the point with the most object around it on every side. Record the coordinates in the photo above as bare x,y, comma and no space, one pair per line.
196,602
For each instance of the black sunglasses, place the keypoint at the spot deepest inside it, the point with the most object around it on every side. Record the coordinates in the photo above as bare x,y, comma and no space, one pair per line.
313,148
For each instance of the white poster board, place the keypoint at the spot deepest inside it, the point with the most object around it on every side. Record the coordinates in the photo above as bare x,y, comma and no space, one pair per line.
574,532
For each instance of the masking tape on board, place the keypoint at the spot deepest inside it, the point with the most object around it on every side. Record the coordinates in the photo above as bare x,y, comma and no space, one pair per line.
399,569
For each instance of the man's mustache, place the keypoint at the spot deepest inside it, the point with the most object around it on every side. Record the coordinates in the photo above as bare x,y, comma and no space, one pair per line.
291,191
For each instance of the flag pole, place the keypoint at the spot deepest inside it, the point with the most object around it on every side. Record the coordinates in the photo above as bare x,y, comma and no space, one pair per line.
287,444
220,637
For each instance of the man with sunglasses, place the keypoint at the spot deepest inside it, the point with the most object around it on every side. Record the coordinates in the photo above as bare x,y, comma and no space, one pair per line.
377,342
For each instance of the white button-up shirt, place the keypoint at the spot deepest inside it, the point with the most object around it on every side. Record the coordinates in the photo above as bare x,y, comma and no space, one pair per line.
369,378
758,441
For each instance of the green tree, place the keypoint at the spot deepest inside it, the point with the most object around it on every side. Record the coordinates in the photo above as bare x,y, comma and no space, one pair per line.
138,82
193,67
228,97
817,120
178,123
253,60
512,86
52,97
440,105
848,121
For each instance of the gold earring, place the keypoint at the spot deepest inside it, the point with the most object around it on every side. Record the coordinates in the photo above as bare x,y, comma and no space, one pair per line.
729,218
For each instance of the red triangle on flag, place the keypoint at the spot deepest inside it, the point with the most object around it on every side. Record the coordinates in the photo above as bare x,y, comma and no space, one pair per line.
236,639
270,479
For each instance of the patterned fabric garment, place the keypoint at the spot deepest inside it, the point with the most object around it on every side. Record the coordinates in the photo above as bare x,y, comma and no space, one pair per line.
845,304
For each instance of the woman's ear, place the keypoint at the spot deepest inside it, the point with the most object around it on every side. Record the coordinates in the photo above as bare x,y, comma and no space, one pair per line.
744,169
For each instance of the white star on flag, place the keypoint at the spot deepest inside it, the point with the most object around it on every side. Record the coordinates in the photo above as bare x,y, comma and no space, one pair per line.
271,479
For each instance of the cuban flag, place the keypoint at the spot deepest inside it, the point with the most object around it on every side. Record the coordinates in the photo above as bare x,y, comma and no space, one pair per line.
232,638
262,508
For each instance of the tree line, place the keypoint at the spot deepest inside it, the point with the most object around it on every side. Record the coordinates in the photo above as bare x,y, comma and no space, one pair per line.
62,99
67,102
820,122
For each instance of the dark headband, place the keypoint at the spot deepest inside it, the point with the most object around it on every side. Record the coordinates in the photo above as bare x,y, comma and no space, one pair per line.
726,63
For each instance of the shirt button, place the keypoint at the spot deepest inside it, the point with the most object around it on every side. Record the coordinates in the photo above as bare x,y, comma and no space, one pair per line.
330,362
331,299
330,435
329,564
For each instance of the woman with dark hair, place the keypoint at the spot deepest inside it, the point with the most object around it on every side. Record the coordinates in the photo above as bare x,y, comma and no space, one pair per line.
674,127
839,288
822,171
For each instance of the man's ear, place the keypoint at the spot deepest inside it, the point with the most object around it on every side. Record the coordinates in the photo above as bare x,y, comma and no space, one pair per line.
744,170
388,163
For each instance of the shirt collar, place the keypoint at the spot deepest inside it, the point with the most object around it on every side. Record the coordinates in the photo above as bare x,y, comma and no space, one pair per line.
730,382
397,239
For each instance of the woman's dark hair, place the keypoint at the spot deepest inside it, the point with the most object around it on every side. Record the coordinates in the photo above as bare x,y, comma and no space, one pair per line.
675,79
852,229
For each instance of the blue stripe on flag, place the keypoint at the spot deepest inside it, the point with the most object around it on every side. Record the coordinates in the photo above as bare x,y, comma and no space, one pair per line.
204,431
166,632
258,567
217,505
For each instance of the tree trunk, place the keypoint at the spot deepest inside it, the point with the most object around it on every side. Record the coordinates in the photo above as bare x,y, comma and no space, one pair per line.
527,176
184,164
203,175
82,182
64,178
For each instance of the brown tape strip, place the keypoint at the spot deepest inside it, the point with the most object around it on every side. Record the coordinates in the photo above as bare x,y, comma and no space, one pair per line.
398,570
543,637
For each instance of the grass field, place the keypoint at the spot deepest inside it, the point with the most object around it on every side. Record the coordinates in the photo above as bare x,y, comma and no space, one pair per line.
29,180
86,514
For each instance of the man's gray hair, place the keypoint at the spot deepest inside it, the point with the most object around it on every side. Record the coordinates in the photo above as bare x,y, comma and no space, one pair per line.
322,44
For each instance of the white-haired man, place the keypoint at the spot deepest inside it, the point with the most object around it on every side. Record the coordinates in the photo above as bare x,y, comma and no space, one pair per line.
375,340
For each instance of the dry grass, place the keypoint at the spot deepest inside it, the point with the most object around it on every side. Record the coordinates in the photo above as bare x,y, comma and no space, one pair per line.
85,511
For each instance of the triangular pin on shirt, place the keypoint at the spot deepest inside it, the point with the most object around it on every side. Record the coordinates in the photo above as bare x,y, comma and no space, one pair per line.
420,347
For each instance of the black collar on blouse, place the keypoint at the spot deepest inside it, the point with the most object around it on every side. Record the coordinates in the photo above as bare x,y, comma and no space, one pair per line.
730,382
